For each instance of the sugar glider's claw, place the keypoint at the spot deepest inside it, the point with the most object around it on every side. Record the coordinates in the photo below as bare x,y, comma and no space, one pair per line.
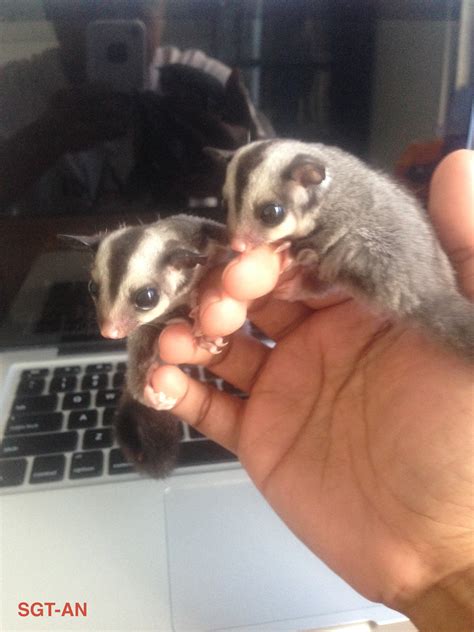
196,327
213,345
287,260
283,246
158,401
196,331
194,312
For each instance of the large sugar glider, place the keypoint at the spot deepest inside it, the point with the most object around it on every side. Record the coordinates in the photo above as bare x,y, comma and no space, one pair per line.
348,226
142,278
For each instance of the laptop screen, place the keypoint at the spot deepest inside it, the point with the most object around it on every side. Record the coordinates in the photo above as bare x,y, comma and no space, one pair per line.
106,107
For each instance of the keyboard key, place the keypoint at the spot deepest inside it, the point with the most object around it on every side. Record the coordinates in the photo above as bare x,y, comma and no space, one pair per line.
86,464
118,464
108,416
102,367
82,419
12,472
118,380
67,370
31,445
27,373
208,376
202,452
76,400
95,381
100,438
31,386
37,404
121,367
23,424
48,469
62,384
107,398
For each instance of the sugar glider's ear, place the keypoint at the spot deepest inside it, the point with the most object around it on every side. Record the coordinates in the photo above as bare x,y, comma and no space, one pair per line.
220,157
239,109
183,259
305,170
91,242
212,231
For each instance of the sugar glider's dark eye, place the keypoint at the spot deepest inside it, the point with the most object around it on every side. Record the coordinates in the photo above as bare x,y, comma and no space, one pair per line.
146,298
271,214
93,289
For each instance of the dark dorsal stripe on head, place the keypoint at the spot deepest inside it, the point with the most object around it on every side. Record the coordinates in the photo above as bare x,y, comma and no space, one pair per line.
245,166
121,249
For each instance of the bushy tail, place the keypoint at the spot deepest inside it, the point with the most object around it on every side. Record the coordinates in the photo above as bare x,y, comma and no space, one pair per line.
149,438
451,319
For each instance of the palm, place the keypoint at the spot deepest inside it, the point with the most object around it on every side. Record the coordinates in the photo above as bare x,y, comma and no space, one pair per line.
359,433
341,443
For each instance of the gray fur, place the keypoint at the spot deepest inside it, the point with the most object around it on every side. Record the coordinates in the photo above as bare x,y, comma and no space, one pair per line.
172,254
357,229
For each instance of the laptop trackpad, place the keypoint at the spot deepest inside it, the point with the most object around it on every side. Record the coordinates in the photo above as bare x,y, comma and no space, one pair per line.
235,564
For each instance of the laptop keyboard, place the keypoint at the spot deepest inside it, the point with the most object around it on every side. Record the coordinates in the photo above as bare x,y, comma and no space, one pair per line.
59,429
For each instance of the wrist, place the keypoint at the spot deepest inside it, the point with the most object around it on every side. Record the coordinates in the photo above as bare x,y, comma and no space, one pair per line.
447,606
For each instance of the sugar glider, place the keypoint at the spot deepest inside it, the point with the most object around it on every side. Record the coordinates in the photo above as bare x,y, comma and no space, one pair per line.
142,278
348,226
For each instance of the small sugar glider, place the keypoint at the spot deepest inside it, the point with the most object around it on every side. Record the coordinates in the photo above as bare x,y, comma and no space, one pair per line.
348,226
142,278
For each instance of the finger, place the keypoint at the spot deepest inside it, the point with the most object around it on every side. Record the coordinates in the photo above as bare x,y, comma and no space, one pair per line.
239,363
451,207
253,274
212,412
220,314
223,311
177,345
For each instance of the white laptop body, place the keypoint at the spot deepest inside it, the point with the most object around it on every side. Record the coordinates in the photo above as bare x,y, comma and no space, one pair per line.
200,550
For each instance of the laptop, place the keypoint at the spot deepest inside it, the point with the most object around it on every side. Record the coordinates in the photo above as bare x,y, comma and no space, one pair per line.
87,543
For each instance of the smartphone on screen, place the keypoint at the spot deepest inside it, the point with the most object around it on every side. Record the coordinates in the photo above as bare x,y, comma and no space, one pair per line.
116,54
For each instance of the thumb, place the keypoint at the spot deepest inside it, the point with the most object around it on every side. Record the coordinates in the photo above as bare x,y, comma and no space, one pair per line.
451,206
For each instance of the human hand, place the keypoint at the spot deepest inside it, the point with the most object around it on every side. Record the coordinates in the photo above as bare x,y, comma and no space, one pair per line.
358,431
81,117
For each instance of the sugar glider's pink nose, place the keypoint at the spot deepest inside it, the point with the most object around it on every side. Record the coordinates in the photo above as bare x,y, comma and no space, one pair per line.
109,329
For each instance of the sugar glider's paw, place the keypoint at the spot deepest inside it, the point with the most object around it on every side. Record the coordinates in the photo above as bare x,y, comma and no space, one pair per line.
194,312
287,260
148,438
213,345
294,288
149,397
158,401
299,284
